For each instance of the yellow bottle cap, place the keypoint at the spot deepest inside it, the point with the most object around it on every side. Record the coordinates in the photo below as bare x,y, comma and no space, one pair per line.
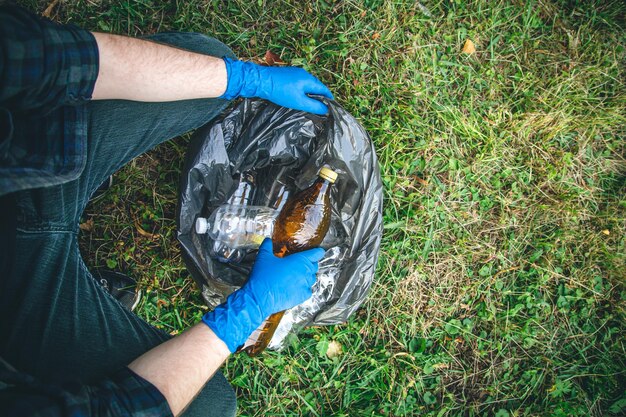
328,174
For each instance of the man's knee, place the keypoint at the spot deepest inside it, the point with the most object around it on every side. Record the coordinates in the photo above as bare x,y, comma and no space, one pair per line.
196,42
217,398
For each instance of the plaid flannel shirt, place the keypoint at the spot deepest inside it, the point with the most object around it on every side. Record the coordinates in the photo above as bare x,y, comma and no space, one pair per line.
123,394
47,74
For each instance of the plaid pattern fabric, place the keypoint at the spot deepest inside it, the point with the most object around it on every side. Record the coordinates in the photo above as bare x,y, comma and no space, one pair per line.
124,394
47,74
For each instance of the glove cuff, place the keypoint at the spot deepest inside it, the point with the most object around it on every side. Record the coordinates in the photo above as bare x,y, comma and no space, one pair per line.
235,319
243,79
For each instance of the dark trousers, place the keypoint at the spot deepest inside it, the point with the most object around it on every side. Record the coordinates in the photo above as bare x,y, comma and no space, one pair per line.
56,321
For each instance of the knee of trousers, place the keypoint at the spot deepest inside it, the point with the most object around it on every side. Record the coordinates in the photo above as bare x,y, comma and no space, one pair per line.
216,399
196,42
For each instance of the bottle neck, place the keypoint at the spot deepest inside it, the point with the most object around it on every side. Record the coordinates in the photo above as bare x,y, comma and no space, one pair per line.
242,194
323,185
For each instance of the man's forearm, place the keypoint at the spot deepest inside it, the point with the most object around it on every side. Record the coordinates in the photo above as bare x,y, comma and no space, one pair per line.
141,70
180,367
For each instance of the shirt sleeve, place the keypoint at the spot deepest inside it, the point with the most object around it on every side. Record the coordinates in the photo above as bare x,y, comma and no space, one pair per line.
124,394
44,65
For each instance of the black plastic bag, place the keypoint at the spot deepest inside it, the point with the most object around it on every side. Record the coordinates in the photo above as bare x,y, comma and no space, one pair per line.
273,141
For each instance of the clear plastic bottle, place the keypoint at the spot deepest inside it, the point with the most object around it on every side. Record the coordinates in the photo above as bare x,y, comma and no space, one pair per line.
277,184
279,195
242,196
245,191
238,227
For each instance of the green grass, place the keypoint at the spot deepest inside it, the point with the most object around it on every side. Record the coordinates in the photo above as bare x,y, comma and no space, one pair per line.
500,287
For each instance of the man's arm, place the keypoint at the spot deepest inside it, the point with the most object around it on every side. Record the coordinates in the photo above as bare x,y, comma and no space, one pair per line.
180,367
43,64
141,70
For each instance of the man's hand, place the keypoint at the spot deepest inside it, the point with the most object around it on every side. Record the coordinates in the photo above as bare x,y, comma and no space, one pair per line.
281,283
288,86
275,284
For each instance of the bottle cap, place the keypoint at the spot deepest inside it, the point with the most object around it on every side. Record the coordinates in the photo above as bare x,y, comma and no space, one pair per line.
202,225
328,174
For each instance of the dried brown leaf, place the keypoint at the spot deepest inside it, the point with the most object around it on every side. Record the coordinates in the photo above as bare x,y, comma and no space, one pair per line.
48,12
86,226
469,47
272,58
143,233
420,180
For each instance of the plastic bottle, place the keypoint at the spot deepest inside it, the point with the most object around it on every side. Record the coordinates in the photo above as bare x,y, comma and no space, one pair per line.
242,196
238,227
275,185
301,225
279,194
244,193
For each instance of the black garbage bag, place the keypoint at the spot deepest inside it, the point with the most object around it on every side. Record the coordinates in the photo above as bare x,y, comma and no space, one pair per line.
279,143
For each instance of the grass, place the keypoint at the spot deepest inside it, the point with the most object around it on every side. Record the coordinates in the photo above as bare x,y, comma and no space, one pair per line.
500,286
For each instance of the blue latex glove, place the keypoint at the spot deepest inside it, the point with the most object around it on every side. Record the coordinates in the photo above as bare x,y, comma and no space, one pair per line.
275,284
285,86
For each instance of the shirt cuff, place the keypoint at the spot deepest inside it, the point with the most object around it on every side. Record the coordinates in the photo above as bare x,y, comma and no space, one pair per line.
76,53
138,395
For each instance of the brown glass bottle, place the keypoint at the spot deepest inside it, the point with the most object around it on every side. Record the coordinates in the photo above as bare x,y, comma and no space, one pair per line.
301,224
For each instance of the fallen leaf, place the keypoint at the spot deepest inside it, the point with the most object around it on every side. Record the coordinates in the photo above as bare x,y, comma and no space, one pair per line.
606,232
86,226
421,181
376,35
48,12
334,349
143,233
272,58
469,47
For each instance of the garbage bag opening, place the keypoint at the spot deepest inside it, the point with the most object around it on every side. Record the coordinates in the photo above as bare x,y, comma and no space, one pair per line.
288,146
